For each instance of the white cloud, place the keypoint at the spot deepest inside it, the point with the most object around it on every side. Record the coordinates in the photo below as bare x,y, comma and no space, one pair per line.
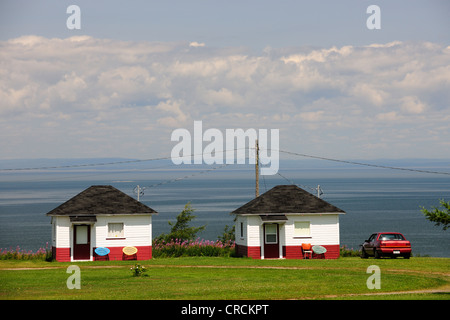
387,116
311,116
178,117
102,95
413,105
196,44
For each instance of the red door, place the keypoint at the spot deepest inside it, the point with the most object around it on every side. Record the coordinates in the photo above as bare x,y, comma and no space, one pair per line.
81,242
271,246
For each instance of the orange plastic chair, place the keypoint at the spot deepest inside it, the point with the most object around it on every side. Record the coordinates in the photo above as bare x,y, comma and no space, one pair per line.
307,250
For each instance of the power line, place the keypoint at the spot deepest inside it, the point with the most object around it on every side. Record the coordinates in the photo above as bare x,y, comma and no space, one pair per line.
112,162
250,148
364,164
180,178
84,165
317,190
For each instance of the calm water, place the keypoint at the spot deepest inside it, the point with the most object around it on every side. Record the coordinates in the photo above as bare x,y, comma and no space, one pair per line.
374,201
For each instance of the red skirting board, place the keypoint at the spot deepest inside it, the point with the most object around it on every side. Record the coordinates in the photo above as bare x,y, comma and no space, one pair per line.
116,253
251,252
61,254
144,253
295,252
289,252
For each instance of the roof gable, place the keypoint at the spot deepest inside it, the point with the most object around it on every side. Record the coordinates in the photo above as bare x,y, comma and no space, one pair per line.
287,199
101,200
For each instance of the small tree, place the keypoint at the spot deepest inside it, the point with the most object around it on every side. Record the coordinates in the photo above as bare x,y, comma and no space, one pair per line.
180,229
228,234
440,217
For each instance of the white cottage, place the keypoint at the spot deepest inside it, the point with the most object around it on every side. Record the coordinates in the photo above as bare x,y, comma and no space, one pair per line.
277,223
101,217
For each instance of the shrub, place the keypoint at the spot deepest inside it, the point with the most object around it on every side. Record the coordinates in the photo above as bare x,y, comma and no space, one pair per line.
180,228
346,252
21,254
205,248
138,270
228,234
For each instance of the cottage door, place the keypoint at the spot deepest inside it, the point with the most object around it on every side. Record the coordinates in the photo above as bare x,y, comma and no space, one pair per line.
81,242
271,247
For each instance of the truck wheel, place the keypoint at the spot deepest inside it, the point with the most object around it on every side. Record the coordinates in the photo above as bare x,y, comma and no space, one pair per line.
376,254
406,256
364,254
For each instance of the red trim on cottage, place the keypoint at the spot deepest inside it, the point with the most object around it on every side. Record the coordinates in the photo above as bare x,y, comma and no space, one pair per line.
116,253
292,252
333,251
251,252
254,252
144,253
295,252
241,251
289,252
61,254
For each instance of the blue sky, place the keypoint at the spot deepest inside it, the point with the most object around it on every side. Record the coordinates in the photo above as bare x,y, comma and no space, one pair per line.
255,23
137,70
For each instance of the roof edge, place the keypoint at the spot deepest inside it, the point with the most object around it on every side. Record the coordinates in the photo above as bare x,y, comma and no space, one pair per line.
290,214
103,214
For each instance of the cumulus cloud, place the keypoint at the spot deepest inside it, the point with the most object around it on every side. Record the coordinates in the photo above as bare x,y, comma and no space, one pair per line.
196,44
84,96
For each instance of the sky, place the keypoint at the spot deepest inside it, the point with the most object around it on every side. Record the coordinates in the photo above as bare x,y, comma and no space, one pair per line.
137,70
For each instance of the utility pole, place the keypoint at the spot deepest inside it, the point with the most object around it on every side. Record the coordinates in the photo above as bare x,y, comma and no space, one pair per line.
139,191
319,191
257,169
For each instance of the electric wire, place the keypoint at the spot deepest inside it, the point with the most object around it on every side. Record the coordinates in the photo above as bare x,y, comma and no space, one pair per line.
194,155
364,164
296,184
85,165
186,177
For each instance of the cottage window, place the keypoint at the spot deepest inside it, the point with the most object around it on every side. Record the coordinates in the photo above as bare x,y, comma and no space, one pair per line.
54,231
242,230
302,229
115,230
271,233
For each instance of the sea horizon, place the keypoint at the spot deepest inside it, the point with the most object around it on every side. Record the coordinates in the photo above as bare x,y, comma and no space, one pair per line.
375,199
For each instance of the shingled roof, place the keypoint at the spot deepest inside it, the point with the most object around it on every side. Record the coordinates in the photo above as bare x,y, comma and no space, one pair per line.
287,199
100,200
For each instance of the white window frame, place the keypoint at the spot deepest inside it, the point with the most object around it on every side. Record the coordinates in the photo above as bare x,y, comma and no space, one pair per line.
271,233
300,230
114,234
54,231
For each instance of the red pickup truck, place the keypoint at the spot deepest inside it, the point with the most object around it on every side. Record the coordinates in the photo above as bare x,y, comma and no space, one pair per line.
381,244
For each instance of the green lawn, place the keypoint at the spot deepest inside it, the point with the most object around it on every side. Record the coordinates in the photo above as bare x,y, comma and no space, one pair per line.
198,278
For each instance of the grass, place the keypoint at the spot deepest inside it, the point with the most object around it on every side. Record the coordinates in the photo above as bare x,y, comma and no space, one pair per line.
218,278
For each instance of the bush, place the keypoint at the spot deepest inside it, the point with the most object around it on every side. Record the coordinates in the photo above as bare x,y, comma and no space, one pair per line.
180,228
189,248
21,254
228,234
138,270
346,252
